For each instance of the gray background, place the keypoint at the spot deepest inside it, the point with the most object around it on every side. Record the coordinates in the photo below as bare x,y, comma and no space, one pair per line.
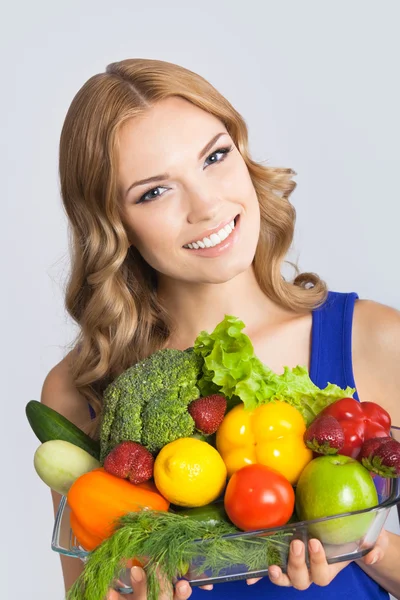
318,85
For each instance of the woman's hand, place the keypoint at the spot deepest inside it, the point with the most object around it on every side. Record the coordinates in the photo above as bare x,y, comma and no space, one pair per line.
300,577
182,589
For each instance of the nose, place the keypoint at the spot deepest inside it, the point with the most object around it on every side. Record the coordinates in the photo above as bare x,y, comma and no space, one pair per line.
203,205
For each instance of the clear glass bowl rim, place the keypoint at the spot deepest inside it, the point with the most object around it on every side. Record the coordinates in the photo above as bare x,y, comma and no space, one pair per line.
392,500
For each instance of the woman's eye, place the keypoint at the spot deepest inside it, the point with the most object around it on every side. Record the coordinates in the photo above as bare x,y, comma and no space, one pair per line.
222,151
148,197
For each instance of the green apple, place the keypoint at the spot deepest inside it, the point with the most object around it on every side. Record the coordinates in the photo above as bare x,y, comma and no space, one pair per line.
332,485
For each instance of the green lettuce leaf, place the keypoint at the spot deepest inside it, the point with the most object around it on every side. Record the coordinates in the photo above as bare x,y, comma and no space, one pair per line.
231,368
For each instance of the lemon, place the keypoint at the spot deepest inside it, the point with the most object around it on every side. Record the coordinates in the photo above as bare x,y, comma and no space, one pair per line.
189,472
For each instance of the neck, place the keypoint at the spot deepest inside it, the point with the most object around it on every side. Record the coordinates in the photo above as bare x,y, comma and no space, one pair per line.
194,307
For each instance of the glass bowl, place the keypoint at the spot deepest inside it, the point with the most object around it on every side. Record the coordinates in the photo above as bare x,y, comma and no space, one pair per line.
347,536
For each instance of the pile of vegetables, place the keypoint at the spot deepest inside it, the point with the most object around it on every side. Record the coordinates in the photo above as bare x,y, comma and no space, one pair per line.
219,394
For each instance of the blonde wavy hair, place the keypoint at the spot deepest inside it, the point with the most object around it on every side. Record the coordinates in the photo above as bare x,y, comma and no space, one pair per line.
112,292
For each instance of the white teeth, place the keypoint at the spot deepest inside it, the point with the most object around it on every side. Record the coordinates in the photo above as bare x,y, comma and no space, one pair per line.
214,239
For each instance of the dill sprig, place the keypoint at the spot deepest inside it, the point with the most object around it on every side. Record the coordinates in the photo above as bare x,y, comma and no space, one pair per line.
168,544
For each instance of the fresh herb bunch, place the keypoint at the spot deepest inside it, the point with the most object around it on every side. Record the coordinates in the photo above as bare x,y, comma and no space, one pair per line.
168,544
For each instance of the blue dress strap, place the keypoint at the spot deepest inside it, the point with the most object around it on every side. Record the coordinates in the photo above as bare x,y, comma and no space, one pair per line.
331,348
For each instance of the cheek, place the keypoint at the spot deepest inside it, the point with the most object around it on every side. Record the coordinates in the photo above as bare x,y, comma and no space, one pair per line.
241,188
236,180
155,237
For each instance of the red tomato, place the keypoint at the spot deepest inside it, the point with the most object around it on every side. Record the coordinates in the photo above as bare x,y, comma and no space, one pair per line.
258,497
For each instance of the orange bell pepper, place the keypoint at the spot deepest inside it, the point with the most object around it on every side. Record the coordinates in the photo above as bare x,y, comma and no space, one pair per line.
97,499
86,540
270,435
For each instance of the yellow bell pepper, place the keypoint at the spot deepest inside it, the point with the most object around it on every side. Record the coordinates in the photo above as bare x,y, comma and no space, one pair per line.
270,435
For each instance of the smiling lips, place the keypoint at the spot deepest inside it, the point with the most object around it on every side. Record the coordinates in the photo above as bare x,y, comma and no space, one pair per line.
214,239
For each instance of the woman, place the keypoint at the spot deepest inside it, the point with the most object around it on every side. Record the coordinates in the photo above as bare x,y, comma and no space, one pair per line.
174,226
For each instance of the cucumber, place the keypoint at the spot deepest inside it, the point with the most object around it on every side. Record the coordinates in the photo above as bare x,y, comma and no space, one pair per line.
59,463
210,513
48,424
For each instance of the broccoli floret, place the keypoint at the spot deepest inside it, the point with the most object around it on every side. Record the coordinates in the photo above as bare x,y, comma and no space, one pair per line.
148,402
166,418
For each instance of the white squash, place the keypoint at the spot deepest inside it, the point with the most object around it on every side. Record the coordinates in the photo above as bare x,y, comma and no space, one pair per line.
59,463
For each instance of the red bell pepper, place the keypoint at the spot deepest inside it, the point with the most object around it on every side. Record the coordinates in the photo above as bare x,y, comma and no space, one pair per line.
360,421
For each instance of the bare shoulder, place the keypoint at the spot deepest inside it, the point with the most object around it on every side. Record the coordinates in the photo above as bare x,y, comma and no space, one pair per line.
376,354
380,326
59,393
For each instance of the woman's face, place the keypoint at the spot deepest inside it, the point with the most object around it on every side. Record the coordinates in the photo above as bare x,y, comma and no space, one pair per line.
192,200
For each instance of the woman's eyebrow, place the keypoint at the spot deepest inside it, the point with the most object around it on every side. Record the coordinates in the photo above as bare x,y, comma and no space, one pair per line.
155,178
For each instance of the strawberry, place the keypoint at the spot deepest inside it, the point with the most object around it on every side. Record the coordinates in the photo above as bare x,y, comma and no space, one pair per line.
324,435
130,460
208,412
369,446
384,458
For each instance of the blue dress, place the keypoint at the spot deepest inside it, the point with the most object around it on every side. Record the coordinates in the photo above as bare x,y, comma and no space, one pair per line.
330,362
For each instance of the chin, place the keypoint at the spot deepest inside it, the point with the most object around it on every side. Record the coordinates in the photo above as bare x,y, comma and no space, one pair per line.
225,271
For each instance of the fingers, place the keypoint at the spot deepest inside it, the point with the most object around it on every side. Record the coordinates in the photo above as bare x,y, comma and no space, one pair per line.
297,569
253,580
183,590
379,549
208,587
139,583
276,576
298,574
320,572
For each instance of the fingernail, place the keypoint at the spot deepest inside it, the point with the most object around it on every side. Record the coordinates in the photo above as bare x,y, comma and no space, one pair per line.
315,546
297,548
273,572
374,560
137,574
